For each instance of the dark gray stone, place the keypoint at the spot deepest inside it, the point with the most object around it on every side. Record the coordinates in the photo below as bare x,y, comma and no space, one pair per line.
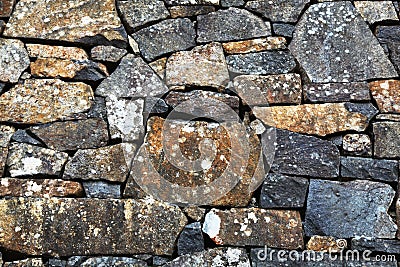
283,29
191,239
376,245
387,141
158,260
98,109
100,189
389,37
155,105
108,261
367,168
336,92
107,53
230,3
278,10
75,261
22,136
2,26
56,263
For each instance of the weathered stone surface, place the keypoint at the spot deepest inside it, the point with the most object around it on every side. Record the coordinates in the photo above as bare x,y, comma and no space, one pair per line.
24,159
329,213
387,141
13,60
388,36
376,245
191,2
189,11
72,135
376,11
60,52
132,78
230,3
319,119
12,187
281,191
194,212
154,105
6,7
299,154
255,227
388,117
41,101
202,66
98,109
283,29
106,163
159,66
107,53
191,239
324,244
232,24
76,21
275,89
336,92
387,95
21,136
113,261
6,133
278,10
57,263
333,44
65,226
100,189
2,26
30,262
136,13
267,62
254,45
170,35
357,144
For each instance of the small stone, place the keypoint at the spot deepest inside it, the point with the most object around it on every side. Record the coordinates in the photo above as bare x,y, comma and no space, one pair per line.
160,261
230,3
387,141
189,11
281,191
336,92
387,95
267,62
388,117
255,227
107,53
191,239
278,10
22,136
194,212
159,67
6,133
388,37
192,2
232,24
98,109
75,261
24,159
107,163
376,245
336,140
329,211
357,144
56,263
42,101
324,244
170,35
6,7
202,66
59,52
113,261
13,61
134,45
154,105
283,29
12,187
2,26
255,45
319,119
31,262
376,11
100,189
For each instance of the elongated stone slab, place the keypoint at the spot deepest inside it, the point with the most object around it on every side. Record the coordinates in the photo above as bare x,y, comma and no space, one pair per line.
6,133
336,92
367,168
255,45
60,52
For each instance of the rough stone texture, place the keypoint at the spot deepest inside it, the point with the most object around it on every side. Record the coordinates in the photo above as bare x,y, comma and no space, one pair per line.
357,145
37,225
195,213
41,101
202,66
13,60
388,117
388,36
255,227
189,11
31,262
191,239
336,92
2,26
98,109
191,2
60,52
106,163
387,95
324,244
333,44
282,191
232,24
329,213
319,119
275,89
167,36
6,7
376,11
74,21
376,245
113,261
107,53
22,136
299,154
387,142
267,62
24,159
12,187
255,45
283,29
132,78
56,263
278,10
159,66
73,135
154,105
6,133
100,189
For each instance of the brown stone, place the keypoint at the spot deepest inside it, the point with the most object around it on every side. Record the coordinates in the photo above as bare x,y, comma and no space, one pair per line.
195,213
189,11
254,45
387,95
60,52
6,7
159,67
324,244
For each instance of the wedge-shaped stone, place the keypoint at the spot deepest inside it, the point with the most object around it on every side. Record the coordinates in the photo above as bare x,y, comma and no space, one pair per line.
66,226
387,95
278,10
13,61
60,52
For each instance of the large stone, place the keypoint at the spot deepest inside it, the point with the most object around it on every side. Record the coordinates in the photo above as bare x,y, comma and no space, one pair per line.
349,209
60,52
191,239
389,38
107,53
66,226
387,141
387,95
6,7
255,227
13,60
255,45
189,11
73,21
6,133
367,168
167,36
232,24
278,10
41,101
376,11
336,92
333,44
319,119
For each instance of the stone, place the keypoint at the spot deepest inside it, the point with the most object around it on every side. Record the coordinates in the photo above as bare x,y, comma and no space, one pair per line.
12,187
386,94
6,133
189,11
6,7
25,159
367,168
107,53
255,227
232,24
388,37
318,119
270,89
22,136
324,244
134,45
267,62
113,261
254,45
74,21
329,213
333,44
56,263
278,10
72,135
137,13
191,2
387,142
202,66
59,52
191,239
336,92
106,163
2,26
76,261
98,109
160,261
30,262
282,191
230,3
357,145
376,245
132,78
388,117
154,105
100,189
66,226
283,29
159,67
194,212
298,154
170,35
13,61
42,101
378,11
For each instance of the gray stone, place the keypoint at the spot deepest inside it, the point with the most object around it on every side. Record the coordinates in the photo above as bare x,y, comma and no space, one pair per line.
113,262
56,263
230,3
75,261
2,26
232,24
100,189
154,105
13,61
191,2
278,10
98,109
388,117
191,239
376,245
158,261
189,11
349,209
336,92
389,37
283,29
30,262
333,44
387,141
170,35
357,145
22,136
6,133
376,11
107,53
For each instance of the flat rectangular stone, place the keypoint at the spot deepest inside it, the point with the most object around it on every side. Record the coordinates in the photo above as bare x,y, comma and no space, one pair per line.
60,52
376,245
336,92
387,141
254,45
189,11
